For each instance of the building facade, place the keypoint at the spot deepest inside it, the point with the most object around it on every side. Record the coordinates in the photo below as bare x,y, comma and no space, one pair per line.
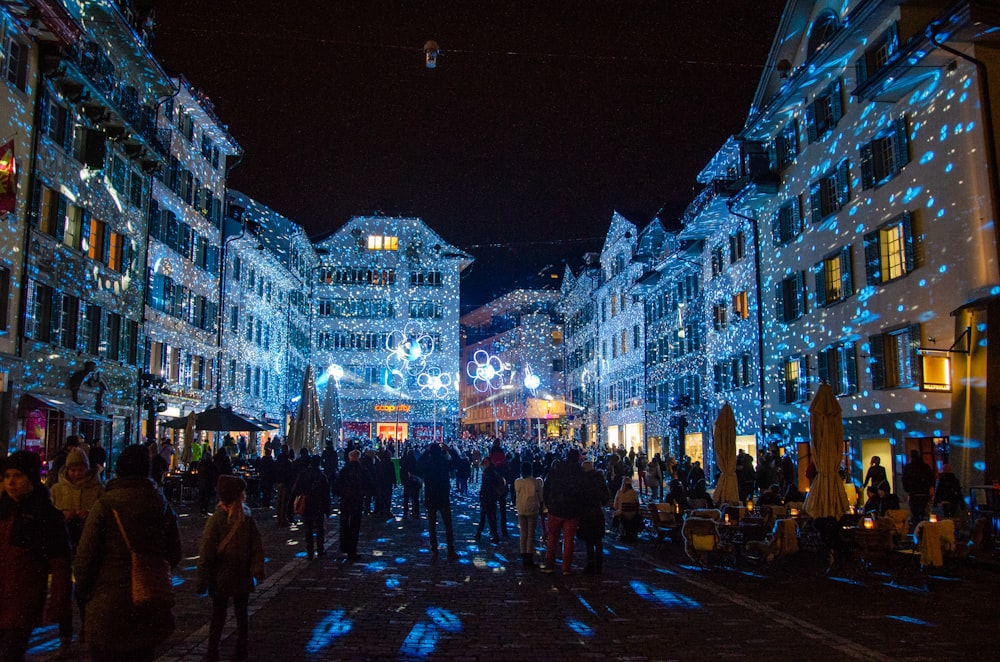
385,318
518,336
185,224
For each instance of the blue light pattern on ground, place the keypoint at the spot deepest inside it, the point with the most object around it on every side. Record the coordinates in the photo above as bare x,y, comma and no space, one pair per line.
332,626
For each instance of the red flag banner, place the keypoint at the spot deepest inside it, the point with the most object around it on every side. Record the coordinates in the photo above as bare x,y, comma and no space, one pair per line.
8,178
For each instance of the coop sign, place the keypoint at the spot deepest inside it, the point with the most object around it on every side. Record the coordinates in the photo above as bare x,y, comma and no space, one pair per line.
400,408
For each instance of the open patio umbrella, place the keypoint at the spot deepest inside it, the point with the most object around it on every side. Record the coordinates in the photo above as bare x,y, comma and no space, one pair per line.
224,419
826,497
188,439
308,424
727,489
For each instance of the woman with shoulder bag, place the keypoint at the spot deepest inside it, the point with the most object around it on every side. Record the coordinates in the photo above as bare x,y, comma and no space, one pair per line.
230,559
132,516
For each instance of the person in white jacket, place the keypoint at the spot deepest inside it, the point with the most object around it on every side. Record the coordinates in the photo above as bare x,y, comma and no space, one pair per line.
528,493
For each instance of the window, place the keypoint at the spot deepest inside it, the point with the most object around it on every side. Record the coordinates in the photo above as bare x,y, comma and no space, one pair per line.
95,242
52,215
877,54
741,306
786,146
56,123
69,321
719,316
884,157
16,68
824,112
112,333
830,193
377,242
425,310
790,298
425,278
737,247
834,281
614,305
793,382
90,329
718,260
838,367
76,218
890,251
894,359
624,342
787,223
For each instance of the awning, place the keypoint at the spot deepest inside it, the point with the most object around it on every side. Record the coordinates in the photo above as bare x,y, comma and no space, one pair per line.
65,405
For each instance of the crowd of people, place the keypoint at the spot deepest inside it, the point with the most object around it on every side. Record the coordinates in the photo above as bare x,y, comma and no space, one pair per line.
74,537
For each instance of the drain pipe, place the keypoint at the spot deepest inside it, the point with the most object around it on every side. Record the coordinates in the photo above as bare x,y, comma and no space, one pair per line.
988,136
730,204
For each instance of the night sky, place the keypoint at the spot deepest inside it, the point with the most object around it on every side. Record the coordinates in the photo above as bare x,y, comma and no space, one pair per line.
540,120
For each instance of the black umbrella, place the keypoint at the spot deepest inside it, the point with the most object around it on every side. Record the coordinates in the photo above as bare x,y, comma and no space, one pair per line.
224,419
175,423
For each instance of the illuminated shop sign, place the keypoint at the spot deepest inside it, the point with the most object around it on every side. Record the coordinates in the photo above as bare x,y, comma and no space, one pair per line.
400,408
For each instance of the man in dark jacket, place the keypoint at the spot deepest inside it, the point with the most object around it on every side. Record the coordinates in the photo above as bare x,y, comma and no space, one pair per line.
351,490
284,477
312,485
918,481
436,465
562,495
265,469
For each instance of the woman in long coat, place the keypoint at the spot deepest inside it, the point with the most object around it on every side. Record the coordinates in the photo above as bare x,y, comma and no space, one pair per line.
117,629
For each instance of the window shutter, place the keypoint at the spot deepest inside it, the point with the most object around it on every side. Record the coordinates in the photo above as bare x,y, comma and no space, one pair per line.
796,215
779,302
803,385
867,166
776,223
811,129
820,271
154,219
127,255
846,272
783,384
59,227
816,201
901,143
892,39
909,245
873,262
55,317
823,366
799,280
861,69
843,183
850,368
836,104
913,340
876,363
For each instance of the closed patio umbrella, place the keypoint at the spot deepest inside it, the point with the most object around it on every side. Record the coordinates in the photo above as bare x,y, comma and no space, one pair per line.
308,424
331,411
826,497
188,439
727,489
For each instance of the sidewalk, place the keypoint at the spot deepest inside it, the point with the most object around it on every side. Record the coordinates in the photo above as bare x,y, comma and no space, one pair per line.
650,603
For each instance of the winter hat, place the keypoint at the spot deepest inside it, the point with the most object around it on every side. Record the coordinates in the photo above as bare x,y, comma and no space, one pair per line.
27,463
75,457
229,488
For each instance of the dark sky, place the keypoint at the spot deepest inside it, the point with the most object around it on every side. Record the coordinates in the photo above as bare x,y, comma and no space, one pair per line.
541,119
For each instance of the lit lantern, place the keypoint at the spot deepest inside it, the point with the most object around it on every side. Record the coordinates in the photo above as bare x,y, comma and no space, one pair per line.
431,52
794,512
750,506
869,523
727,518
933,518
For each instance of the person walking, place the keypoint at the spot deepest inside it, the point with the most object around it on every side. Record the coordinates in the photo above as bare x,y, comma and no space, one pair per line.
594,497
351,490
412,484
230,560
75,494
562,496
436,465
918,482
284,475
528,502
134,508
315,489
492,488
33,544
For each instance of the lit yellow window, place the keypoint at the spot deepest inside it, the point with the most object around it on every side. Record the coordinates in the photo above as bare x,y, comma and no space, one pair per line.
96,246
893,252
740,305
378,242
114,251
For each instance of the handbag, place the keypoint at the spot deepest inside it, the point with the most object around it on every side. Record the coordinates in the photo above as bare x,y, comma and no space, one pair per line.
299,505
151,582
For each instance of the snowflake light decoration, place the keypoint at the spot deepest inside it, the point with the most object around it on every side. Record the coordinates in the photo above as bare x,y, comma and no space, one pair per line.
408,353
486,371
435,381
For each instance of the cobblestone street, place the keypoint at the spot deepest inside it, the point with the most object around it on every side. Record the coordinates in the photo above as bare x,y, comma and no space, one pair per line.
650,603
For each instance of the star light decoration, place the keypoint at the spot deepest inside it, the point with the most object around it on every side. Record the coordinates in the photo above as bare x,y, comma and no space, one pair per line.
409,350
486,371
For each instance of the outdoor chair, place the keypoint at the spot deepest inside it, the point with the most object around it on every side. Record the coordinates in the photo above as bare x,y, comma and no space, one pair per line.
783,542
709,513
629,522
663,520
701,539
900,520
